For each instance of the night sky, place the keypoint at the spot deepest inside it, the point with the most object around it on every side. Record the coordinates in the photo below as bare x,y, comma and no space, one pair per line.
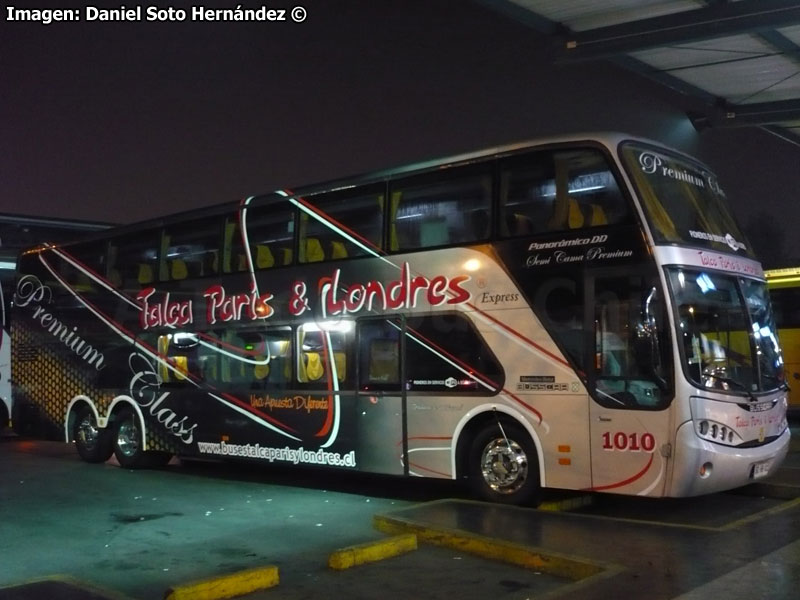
124,121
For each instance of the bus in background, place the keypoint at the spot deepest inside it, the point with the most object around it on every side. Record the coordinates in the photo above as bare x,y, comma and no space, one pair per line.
581,312
18,232
784,291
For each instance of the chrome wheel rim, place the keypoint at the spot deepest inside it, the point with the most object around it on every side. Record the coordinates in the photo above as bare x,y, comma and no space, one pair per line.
504,466
128,437
88,433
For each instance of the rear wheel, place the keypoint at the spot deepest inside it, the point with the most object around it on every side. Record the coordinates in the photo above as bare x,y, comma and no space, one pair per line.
503,464
129,444
92,442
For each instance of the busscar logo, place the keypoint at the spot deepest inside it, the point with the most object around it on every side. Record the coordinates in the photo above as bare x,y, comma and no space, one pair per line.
726,239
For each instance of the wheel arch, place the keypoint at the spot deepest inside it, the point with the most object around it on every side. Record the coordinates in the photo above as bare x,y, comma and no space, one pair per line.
117,404
71,414
474,420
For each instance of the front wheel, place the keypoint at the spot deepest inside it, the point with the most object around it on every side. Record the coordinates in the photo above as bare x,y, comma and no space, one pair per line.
503,464
92,442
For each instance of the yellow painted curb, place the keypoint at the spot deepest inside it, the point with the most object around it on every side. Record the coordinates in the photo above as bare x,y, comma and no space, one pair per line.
372,551
226,586
515,554
566,504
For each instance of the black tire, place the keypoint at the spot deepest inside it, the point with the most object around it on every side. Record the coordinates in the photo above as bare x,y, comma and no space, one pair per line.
503,465
92,443
128,444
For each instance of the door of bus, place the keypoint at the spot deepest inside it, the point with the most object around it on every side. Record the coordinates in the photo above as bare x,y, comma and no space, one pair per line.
629,425
382,445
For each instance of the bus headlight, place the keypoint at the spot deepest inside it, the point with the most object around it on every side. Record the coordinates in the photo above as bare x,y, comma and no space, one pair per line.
717,432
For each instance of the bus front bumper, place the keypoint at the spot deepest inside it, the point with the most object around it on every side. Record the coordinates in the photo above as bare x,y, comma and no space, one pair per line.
702,467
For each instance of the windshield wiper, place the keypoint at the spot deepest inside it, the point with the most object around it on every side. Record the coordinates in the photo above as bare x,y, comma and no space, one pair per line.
735,383
782,384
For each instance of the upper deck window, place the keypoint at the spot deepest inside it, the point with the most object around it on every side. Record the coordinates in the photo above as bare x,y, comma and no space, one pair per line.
437,210
344,224
563,190
133,260
682,201
269,233
190,249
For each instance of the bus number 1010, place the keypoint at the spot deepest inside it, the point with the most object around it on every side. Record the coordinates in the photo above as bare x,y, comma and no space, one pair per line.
629,442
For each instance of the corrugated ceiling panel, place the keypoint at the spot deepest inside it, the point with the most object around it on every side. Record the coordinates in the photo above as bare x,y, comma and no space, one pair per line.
729,49
760,80
580,15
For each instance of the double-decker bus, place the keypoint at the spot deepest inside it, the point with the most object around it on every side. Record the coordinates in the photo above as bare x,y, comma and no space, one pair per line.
784,291
579,313
18,232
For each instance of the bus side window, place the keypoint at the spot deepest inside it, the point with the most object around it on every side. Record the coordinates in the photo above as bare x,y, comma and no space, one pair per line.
545,192
246,358
318,361
445,353
134,260
178,361
621,378
190,249
379,355
270,234
427,212
351,224
208,359
559,303
91,257
273,358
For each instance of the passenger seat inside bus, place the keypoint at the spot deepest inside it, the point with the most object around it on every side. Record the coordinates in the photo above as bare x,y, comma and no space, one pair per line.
519,224
264,257
314,251
338,249
312,367
144,273
178,269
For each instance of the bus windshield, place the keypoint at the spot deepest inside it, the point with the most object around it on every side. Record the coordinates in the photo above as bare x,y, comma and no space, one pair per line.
728,332
682,201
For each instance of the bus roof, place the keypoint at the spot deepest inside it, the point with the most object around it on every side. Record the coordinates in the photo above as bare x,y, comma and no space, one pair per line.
609,140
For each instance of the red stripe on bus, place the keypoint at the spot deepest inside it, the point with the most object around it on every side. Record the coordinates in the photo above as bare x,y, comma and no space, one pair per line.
87,270
330,219
520,336
421,468
472,372
624,482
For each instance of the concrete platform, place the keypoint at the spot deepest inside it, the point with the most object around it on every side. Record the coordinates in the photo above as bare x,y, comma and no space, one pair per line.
743,544
139,534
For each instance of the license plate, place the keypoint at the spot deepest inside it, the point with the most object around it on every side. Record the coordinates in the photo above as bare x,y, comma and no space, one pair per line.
761,469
